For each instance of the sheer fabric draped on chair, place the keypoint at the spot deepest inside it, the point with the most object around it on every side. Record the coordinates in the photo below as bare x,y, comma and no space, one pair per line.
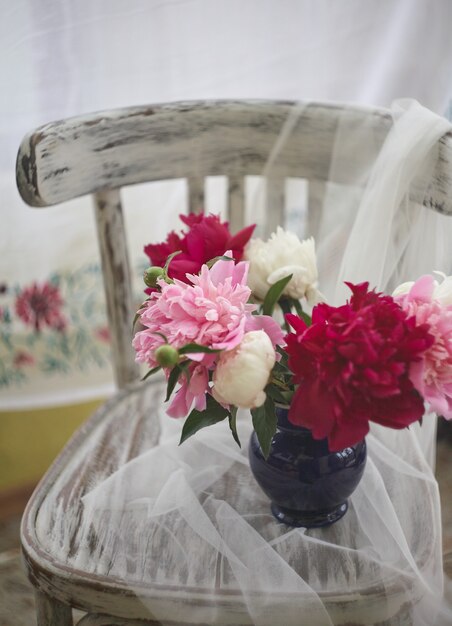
129,524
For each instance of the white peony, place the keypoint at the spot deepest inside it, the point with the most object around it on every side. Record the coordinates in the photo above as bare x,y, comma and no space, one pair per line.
442,291
402,289
283,254
242,373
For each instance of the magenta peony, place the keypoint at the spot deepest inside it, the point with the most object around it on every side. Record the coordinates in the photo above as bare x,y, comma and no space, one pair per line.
352,366
207,237
432,375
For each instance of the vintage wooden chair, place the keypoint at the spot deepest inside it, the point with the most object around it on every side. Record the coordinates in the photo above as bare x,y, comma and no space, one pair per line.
98,154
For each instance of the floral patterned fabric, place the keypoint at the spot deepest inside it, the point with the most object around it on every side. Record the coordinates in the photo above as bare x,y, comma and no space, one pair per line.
52,327
51,330
54,336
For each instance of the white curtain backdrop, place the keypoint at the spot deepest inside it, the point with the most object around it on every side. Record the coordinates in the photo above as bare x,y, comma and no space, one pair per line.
60,58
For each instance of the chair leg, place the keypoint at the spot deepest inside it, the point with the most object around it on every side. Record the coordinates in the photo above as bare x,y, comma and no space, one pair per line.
51,612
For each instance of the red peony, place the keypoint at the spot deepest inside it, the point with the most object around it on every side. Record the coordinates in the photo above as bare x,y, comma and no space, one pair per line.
206,239
351,367
40,306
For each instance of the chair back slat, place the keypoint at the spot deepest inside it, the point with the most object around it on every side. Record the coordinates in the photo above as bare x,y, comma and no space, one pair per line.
274,203
236,202
117,283
102,152
316,195
195,194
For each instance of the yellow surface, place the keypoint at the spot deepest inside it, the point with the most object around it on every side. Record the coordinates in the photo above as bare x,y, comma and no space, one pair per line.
30,440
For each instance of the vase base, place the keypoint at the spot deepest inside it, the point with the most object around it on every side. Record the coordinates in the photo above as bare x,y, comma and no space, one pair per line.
308,519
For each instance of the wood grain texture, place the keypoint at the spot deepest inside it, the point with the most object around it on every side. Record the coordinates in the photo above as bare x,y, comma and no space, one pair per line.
102,569
275,201
108,620
110,149
51,612
195,194
117,282
236,203
90,570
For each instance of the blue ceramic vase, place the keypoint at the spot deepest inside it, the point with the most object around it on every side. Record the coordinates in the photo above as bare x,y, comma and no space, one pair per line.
307,484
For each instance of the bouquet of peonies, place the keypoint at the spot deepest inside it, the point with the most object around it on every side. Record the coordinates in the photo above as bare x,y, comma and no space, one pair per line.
208,324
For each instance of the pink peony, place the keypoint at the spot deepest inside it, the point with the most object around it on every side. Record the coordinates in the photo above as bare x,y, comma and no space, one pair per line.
207,237
211,310
432,375
191,392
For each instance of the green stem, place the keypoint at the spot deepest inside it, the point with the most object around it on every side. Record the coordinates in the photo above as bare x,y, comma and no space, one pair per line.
286,307
279,383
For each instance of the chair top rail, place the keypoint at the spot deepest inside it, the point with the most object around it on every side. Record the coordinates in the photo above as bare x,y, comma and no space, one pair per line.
106,150
109,149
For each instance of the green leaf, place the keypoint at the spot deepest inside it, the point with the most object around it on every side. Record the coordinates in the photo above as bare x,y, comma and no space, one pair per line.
169,259
175,374
286,304
304,316
185,367
154,370
282,371
286,307
172,380
283,364
135,319
212,262
264,422
213,414
233,424
275,394
137,314
274,294
161,335
196,347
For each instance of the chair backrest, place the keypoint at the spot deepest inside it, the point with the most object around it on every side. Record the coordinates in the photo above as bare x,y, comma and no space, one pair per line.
100,153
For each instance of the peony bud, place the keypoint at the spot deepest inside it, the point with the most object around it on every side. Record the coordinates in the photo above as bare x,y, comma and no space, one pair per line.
242,373
166,356
152,274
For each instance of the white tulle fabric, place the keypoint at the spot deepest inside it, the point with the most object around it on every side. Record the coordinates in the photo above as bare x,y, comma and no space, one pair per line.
382,562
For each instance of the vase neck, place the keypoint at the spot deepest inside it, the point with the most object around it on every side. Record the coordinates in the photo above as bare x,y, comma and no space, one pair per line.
282,414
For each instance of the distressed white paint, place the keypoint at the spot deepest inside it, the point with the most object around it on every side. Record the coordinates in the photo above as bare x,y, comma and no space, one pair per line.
118,283
88,570
107,150
51,612
98,154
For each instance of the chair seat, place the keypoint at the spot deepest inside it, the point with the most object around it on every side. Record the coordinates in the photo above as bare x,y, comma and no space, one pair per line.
103,567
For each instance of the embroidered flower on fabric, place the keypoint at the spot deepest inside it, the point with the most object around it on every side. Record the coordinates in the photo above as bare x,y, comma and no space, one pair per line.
40,305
